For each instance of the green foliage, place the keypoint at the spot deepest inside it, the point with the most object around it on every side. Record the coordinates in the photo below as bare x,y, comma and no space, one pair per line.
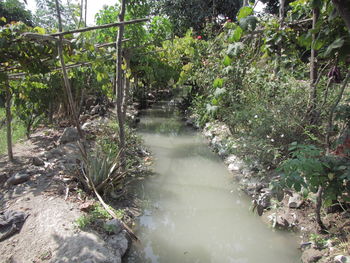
244,12
318,240
31,101
195,14
95,214
46,15
308,168
14,11
18,131
101,168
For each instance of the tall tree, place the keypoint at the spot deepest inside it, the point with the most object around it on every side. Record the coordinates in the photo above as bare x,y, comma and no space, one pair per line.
45,15
185,14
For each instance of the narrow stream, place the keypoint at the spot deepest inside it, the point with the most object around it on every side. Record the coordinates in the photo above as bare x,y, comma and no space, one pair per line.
193,211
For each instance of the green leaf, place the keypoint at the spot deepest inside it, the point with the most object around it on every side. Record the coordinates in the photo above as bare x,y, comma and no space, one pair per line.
218,83
227,61
305,40
40,30
236,34
244,12
318,44
99,77
3,19
339,42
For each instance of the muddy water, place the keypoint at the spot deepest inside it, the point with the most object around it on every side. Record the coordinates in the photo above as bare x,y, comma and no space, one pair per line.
193,211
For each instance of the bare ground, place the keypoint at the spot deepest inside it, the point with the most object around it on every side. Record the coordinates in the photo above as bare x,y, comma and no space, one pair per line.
49,233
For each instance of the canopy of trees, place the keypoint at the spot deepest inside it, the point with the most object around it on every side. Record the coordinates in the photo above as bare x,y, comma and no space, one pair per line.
14,11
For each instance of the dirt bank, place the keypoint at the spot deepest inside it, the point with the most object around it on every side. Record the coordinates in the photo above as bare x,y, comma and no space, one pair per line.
49,196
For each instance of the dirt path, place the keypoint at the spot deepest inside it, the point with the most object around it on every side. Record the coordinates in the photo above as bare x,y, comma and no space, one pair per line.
49,233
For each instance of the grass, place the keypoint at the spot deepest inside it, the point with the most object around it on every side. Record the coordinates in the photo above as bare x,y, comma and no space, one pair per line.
97,212
18,131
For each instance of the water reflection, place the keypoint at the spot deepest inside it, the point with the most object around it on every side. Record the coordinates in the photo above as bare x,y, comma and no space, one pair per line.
193,211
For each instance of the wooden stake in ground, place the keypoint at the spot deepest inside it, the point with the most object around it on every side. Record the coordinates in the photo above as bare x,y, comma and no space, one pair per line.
119,88
65,75
313,70
8,121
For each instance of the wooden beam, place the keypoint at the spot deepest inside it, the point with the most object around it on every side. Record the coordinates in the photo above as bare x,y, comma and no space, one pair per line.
76,65
85,29
34,36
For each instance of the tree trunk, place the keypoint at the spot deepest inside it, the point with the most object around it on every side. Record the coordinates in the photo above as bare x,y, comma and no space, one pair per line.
318,208
119,86
65,75
9,122
313,70
281,12
343,8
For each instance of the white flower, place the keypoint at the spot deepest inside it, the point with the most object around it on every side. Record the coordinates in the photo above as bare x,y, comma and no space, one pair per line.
282,135
256,116
272,140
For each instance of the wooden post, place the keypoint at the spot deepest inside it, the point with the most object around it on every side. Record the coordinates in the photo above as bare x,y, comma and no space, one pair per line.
65,75
313,70
119,86
9,121
126,84
85,23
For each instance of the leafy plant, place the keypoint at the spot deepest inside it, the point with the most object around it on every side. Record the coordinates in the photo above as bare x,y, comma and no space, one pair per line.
309,168
101,169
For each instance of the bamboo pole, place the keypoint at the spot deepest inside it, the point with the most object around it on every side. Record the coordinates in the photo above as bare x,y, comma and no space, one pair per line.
65,75
85,29
119,86
9,121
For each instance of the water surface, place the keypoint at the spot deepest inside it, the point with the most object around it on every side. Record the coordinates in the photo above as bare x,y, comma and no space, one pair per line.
193,211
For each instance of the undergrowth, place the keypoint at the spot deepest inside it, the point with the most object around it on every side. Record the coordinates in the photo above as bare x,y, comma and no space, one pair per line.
18,131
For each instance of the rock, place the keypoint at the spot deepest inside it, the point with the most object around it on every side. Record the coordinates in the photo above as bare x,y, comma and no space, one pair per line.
54,153
119,242
17,179
114,226
89,260
234,167
341,259
295,201
279,221
312,255
70,134
87,126
37,161
264,198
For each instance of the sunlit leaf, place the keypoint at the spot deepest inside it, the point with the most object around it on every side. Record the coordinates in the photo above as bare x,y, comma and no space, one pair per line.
244,12
227,61
218,83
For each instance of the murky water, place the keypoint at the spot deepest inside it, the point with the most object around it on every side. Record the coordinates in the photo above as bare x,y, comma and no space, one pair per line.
193,211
